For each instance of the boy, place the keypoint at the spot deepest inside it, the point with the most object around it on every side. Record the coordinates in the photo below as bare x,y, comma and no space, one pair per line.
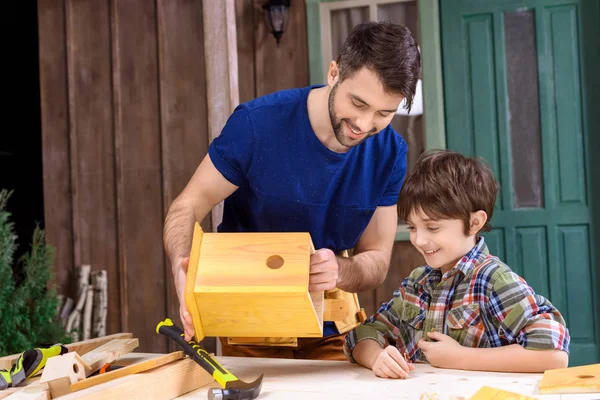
466,309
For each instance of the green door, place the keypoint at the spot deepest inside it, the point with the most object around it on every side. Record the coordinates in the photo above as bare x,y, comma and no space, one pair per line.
515,94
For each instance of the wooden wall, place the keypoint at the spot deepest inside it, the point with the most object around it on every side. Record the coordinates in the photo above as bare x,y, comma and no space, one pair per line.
263,66
123,102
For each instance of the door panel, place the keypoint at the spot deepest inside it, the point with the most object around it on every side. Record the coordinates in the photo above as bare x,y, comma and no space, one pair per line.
514,96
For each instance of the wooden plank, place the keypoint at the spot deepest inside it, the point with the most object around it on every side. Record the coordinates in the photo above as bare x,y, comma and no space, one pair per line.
108,353
222,92
489,393
292,53
32,392
245,19
582,379
92,144
183,112
166,382
138,169
80,347
58,222
130,369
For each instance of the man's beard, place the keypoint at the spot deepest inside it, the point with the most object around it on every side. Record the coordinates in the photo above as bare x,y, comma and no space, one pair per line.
337,125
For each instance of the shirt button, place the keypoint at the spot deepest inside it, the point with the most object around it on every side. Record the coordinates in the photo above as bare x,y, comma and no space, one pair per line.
433,330
461,321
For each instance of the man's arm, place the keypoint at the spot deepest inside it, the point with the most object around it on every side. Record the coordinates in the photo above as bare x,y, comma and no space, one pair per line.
368,267
206,189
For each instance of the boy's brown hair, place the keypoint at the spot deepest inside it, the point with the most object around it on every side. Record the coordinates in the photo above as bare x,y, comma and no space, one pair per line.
448,185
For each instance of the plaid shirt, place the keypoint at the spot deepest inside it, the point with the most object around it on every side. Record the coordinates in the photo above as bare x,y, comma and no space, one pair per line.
479,303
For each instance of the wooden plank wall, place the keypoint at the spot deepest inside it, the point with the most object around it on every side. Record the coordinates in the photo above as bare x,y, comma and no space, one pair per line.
123,103
263,67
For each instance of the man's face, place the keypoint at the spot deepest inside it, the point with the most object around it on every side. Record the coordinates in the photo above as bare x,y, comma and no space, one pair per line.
359,107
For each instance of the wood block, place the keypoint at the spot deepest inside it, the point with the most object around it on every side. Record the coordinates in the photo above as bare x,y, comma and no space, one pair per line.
131,369
335,309
68,365
252,285
80,348
37,391
583,379
490,393
108,353
162,383
59,387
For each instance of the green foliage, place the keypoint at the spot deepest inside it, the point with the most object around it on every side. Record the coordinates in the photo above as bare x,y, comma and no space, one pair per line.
28,310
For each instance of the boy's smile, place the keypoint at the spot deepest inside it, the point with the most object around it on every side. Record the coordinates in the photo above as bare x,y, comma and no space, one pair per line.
441,241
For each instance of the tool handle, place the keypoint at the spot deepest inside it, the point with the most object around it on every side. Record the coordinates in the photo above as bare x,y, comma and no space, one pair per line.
193,349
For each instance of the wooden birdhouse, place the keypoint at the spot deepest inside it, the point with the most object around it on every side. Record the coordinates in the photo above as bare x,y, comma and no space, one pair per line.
252,285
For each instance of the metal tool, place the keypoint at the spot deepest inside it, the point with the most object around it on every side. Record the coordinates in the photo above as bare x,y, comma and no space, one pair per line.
231,387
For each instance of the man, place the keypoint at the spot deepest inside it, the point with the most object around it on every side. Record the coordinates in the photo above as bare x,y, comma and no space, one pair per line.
321,159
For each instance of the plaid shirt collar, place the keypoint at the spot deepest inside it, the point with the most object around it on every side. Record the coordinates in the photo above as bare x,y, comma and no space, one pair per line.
465,265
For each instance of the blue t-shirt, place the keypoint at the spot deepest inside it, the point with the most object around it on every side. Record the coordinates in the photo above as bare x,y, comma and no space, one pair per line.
291,182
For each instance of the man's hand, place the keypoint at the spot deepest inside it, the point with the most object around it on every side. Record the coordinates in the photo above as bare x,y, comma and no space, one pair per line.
445,352
391,364
180,272
324,271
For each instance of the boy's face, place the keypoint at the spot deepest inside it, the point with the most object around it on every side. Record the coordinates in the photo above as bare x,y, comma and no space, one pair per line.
359,107
442,242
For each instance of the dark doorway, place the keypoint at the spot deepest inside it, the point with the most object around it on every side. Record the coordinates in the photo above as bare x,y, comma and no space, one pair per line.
20,141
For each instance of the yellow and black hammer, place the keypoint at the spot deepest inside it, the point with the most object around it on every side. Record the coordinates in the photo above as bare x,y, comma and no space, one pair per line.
231,387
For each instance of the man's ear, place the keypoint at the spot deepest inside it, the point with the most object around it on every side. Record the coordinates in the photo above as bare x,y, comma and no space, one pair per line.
333,75
478,220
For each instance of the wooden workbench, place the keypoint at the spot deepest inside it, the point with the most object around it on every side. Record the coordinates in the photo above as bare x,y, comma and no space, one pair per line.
314,380
302,379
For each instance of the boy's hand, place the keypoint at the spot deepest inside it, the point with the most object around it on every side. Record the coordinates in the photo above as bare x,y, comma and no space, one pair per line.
391,364
445,352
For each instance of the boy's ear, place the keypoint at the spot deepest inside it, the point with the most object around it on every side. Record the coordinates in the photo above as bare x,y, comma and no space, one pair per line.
478,220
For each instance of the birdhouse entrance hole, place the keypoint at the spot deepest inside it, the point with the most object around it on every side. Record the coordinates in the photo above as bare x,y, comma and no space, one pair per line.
275,262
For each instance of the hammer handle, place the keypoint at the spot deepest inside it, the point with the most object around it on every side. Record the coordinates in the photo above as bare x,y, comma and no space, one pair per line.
198,354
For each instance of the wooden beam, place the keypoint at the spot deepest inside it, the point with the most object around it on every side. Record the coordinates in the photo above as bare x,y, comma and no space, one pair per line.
166,382
220,55
80,348
128,370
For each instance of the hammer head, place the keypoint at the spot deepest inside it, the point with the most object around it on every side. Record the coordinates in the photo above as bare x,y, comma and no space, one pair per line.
237,390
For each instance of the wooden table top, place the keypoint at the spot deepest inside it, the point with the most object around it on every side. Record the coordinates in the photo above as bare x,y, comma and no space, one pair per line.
306,379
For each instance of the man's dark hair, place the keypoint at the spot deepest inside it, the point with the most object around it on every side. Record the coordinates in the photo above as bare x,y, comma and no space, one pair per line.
388,49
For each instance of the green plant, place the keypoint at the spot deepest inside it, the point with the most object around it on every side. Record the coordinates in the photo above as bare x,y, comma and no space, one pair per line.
28,316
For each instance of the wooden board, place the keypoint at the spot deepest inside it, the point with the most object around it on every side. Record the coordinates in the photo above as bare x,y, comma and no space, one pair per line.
108,352
490,393
583,379
138,167
166,382
80,348
128,370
